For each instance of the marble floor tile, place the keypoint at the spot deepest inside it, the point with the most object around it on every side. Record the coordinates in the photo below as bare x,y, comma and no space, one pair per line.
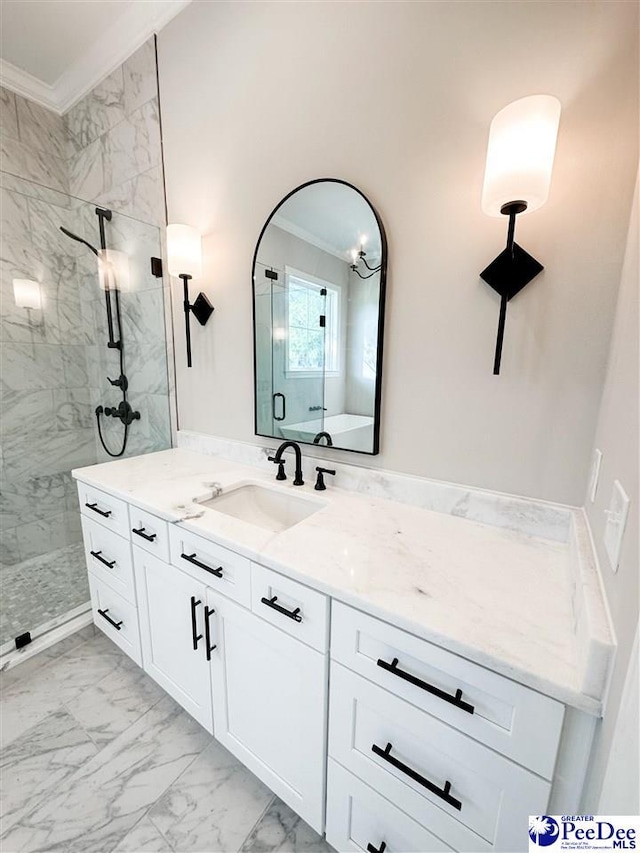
108,708
28,700
143,838
117,767
281,830
213,805
105,799
39,761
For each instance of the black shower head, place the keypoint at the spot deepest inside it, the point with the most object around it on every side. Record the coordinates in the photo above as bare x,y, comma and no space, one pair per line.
78,239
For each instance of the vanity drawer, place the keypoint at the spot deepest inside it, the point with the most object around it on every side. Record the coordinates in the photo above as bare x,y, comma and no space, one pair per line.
464,792
309,619
514,720
109,558
117,617
222,570
149,533
358,818
104,508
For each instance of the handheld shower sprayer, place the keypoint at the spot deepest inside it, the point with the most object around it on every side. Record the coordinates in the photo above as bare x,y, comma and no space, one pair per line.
78,239
123,411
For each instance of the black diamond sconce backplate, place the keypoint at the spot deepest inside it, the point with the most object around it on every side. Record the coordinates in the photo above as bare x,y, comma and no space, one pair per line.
511,271
202,309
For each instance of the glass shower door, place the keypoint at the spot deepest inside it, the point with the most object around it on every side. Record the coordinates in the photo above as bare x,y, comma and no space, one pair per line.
55,371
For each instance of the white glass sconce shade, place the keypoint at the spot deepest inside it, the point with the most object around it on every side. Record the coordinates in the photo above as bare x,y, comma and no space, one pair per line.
27,293
113,270
184,250
522,144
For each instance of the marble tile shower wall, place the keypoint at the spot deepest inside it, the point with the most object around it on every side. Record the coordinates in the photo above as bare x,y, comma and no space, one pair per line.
106,150
113,141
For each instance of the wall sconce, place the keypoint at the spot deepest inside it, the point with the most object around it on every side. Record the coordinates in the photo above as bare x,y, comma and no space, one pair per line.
358,255
184,255
27,293
522,144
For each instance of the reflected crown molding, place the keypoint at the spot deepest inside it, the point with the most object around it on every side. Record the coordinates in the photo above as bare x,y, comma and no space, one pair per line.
115,45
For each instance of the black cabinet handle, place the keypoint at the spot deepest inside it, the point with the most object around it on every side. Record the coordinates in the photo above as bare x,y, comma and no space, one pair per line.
101,512
191,558
140,532
292,614
446,697
208,611
116,625
194,630
381,849
443,793
97,556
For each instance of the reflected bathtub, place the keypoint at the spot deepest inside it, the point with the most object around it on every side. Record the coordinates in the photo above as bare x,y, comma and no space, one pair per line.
354,432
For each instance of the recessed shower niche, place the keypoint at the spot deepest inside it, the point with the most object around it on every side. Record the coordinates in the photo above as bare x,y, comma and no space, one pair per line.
319,274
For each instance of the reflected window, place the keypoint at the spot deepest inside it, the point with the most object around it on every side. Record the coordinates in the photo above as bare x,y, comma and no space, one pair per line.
312,325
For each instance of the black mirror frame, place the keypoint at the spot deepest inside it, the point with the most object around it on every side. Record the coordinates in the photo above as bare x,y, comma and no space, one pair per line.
381,316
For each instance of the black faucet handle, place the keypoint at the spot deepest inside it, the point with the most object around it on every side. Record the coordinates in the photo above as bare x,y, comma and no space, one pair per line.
280,463
320,485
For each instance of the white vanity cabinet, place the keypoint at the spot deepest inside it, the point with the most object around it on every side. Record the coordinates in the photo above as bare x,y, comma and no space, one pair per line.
388,741
270,704
174,630
243,649
435,736
105,521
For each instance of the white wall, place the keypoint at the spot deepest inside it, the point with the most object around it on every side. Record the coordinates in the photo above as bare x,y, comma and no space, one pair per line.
617,436
397,98
621,787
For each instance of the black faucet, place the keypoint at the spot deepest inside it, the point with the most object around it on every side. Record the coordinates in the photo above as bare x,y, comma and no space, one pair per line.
322,435
298,481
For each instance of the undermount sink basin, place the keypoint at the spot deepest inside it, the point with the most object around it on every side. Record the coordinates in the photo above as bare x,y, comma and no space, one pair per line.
270,509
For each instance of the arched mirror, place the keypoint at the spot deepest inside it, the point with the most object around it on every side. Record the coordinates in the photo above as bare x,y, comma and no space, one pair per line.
319,273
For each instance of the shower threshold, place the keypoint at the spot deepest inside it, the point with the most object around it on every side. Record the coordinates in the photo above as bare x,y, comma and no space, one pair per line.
46,635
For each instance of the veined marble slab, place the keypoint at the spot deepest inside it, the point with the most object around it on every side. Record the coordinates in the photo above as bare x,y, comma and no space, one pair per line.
528,607
539,518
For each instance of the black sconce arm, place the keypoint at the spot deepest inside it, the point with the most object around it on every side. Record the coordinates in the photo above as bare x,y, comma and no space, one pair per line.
202,309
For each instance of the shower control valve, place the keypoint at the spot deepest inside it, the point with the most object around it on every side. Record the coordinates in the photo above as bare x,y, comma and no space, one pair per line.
123,411
120,382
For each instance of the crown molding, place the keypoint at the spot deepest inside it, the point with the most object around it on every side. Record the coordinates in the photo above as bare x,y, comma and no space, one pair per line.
308,237
115,45
22,83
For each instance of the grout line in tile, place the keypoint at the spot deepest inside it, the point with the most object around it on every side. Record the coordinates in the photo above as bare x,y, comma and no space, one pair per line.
266,809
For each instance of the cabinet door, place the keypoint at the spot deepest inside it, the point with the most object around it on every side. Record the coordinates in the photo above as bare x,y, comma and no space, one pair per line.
171,609
270,701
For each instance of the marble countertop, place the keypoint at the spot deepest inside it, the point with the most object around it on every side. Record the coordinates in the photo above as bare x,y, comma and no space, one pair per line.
501,598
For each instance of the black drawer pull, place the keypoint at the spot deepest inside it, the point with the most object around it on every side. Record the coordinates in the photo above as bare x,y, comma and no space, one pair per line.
208,611
381,849
446,697
97,556
191,558
194,631
104,612
94,507
140,532
443,793
292,614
